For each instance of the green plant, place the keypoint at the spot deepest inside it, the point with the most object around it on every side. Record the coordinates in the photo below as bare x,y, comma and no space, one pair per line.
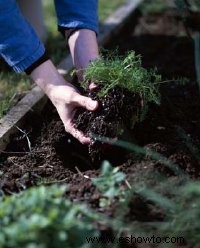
42,217
145,152
184,220
11,86
180,201
178,196
126,72
109,183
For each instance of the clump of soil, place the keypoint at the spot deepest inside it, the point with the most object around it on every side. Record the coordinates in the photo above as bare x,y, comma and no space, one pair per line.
118,110
124,88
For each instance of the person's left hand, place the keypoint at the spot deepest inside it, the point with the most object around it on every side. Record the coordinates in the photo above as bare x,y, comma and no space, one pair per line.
64,96
67,99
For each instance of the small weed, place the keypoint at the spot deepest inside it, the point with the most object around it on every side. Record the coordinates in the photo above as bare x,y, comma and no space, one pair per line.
108,183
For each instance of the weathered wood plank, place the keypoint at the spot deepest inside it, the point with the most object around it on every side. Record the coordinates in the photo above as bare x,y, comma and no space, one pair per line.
16,115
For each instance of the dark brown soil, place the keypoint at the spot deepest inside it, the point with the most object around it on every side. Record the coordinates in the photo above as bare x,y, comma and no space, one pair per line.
172,129
118,110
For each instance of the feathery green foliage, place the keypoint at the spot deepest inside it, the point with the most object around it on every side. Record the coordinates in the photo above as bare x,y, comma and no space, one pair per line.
42,217
146,152
178,197
184,220
126,72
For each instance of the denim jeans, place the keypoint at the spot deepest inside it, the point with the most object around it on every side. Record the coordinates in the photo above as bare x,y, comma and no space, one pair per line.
19,43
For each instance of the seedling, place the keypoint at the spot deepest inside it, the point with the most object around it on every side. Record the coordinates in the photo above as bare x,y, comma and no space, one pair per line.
125,72
109,183
124,89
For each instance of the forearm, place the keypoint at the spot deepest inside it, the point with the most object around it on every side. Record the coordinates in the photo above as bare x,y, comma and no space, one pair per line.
84,49
48,79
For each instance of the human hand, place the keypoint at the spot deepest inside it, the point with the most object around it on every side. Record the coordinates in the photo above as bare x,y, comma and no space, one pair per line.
64,96
67,99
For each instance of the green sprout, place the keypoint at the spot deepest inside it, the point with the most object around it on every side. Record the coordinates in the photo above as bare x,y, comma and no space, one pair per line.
125,72
108,183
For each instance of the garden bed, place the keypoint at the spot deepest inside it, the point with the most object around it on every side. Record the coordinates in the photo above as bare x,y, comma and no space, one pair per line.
45,153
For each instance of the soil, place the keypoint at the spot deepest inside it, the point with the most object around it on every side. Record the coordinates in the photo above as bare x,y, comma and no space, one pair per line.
172,128
118,110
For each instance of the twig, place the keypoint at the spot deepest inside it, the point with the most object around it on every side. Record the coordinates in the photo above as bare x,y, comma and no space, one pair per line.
26,135
12,98
80,173
19,184
59,181
128,184
46,165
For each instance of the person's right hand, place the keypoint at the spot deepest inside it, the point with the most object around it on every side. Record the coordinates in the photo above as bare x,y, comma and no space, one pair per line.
64,96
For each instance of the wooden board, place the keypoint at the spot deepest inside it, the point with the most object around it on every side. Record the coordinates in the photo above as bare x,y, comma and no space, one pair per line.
33,101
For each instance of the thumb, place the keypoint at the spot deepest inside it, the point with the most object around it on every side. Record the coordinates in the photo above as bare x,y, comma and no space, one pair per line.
93,87
85,102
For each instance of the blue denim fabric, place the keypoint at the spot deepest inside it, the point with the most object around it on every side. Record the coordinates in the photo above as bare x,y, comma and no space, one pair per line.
19,44
77,14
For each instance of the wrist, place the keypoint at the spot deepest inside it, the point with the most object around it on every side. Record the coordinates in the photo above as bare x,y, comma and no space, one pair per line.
52,83
37,63
47,77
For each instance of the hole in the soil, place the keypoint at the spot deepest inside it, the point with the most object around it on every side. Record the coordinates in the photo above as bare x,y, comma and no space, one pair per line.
115,155
73,154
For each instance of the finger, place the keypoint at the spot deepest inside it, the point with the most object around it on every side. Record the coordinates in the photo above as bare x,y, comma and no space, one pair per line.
84,102
93,87
77,134
69,127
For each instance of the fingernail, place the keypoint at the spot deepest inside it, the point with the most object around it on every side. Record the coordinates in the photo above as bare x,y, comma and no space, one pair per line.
92,104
